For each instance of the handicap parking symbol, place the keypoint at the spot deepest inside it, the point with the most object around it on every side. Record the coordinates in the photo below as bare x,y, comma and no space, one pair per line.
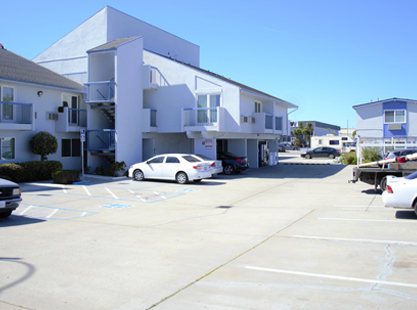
116,206
188,190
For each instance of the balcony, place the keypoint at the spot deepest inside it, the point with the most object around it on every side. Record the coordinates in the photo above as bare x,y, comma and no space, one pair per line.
71,120
263,123
103,140
100,92
203,119
149,120
16,116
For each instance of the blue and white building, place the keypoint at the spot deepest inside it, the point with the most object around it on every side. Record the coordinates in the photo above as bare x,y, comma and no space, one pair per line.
389,123
146,94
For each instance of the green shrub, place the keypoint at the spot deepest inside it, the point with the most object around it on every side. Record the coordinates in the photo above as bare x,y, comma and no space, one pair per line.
66,176
13,172
371,154
349,158
30,171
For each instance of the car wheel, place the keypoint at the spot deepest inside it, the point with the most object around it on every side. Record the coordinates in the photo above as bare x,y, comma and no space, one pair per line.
197,180
383,184
228,169
331,156
5,214
308,156
415,207
181,177
138,175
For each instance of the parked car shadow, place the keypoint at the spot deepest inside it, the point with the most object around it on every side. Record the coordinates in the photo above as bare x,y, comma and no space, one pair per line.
16,220
372,191
406,215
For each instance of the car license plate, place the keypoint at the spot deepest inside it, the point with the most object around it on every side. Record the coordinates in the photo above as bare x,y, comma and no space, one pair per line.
2,204
205,168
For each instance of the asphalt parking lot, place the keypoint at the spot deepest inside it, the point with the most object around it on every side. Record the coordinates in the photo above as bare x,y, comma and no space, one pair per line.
296,235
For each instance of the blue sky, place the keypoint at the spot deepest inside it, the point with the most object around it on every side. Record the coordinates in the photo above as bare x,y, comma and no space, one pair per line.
324,55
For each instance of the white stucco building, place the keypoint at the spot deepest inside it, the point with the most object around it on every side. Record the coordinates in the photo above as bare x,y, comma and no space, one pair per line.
33,99
147,95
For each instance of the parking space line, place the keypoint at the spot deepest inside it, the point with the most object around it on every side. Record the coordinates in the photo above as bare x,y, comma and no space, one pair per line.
365,220
86,190
52,213
111,193
27,209
317,275
357,240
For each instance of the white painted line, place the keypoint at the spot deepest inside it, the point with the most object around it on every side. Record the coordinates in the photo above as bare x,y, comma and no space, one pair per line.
24,211
86,190
366,220
111,193
317,275
47,185
358,240
53,212
83,214
356,206
64,189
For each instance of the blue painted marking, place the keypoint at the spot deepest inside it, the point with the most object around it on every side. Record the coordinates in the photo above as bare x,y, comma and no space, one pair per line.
188,190
116,206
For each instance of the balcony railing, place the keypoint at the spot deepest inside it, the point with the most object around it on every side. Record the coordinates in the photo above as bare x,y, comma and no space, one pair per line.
16,113
101,140
100,91
200,116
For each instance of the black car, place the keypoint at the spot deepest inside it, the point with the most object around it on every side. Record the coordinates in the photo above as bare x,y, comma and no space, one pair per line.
321,152
10,197
232,163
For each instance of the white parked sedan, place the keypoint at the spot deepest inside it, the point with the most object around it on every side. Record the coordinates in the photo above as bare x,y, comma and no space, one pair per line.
216,165
401,192
179,167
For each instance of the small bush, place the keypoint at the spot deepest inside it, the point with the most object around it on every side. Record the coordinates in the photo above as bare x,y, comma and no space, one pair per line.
13,172
66,176
349,158
371,154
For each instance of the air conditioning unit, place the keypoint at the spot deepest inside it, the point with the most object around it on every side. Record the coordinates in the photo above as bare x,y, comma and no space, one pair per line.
52,116
251,120
243,119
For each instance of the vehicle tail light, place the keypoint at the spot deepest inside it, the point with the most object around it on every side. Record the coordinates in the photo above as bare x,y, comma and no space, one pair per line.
239,160
213,165
197,167
389,190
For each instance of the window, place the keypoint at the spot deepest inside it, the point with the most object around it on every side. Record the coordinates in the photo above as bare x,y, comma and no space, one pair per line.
72,103
157,160
320,142
172,160
7,95
257,107
191,159
334,142
278,123
71,148
207,105
7,148
394,116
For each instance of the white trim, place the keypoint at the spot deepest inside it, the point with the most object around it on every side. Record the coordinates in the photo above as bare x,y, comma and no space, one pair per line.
395,120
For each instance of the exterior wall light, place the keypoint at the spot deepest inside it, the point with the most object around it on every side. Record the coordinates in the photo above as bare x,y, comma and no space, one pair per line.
40,93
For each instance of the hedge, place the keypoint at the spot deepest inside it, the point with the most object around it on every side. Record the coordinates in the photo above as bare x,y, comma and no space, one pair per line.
66,176
30,171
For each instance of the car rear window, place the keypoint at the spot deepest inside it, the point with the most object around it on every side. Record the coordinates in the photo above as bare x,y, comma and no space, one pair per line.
204,157
191,159
412,176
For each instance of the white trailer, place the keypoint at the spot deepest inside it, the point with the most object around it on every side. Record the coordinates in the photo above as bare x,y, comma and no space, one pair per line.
342,143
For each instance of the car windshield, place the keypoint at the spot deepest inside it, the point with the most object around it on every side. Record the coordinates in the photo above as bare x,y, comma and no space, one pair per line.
203,157
191,159
412,176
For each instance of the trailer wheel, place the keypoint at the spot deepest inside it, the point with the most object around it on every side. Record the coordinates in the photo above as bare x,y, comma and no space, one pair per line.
383,184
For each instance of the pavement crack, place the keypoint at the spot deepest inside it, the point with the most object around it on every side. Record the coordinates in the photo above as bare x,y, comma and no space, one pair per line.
231,260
